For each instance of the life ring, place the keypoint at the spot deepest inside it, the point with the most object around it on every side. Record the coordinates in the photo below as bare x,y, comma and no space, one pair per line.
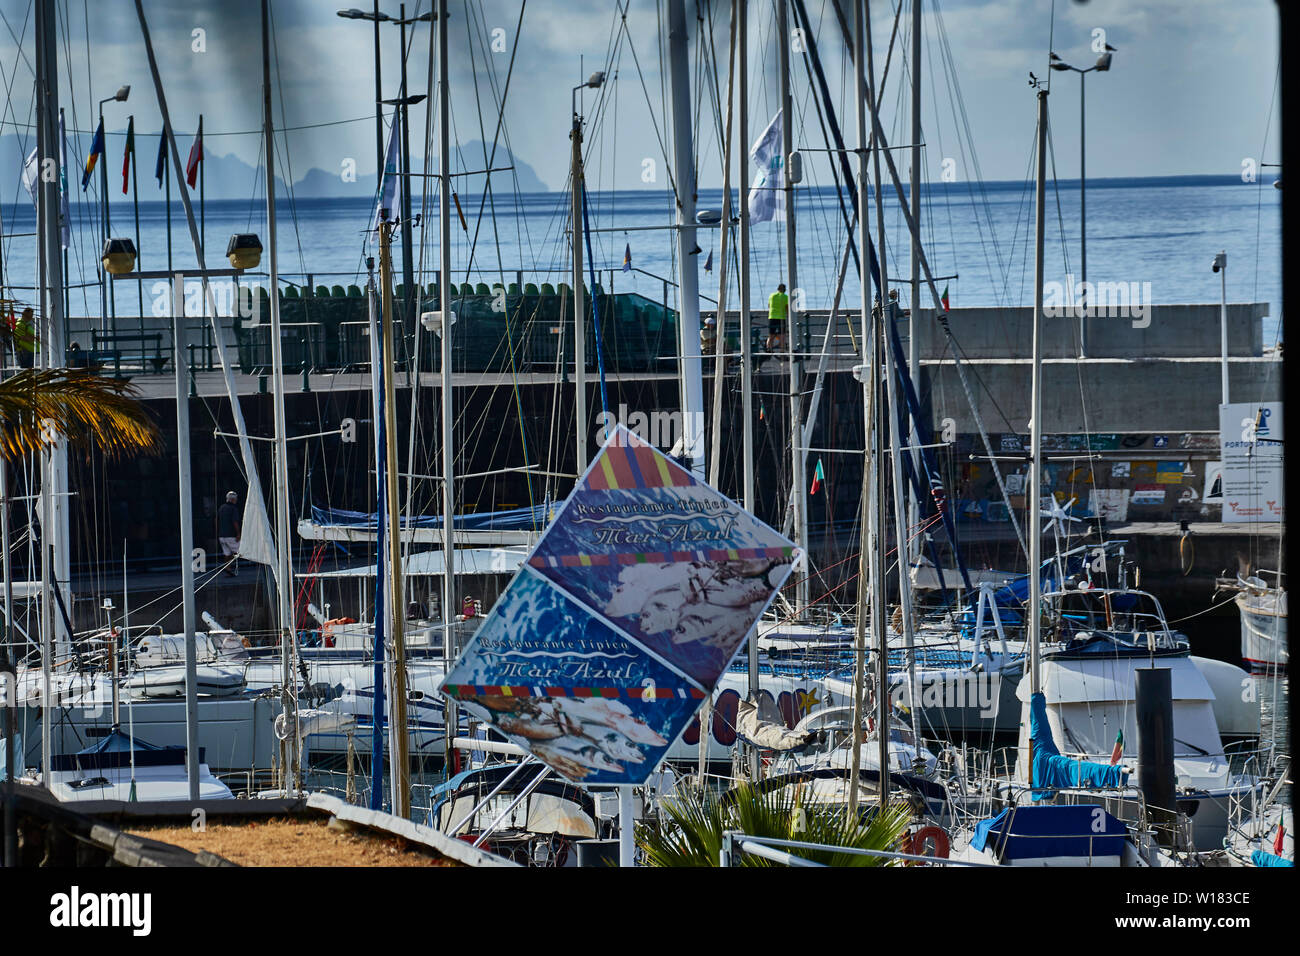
941,842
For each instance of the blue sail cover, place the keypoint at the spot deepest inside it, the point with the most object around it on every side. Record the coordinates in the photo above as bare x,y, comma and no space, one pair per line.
513,519
1077,830
1058,772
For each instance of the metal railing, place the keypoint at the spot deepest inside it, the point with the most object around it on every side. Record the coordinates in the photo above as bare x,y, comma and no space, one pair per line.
735,843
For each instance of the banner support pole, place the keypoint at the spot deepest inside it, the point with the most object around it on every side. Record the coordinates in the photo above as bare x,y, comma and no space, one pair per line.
626,824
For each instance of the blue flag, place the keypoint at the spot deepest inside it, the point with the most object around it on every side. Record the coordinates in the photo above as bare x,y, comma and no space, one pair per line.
627,258
96,151
388,177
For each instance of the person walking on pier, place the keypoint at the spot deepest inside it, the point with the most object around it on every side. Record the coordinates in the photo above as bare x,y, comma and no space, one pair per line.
778,316
228,529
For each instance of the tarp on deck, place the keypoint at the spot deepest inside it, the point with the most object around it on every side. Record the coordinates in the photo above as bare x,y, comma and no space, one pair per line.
1058,772
1077,830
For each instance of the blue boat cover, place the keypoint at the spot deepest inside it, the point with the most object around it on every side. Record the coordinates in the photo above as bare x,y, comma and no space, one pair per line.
515,519
1264,858
1055,771
1029,832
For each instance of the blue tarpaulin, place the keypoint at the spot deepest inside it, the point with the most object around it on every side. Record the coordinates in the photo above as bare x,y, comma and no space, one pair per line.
513,519
1080,830
1055,771
1264,858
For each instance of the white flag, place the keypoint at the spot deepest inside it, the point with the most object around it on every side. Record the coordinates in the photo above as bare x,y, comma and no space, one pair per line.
65,220
766,195
389,179
32,175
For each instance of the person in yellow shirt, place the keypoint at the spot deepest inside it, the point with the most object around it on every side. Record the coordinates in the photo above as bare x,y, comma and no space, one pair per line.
778,318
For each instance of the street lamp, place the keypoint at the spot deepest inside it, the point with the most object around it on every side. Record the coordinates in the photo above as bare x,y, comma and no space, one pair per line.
1101,66
105,295
594,82
185,479
377,16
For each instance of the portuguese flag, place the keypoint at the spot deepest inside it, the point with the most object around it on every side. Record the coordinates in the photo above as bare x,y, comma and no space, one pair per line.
1280,838
944,299
128,153
819,477
1118,752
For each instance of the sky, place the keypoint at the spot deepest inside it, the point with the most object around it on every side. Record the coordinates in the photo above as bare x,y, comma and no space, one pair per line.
1191,89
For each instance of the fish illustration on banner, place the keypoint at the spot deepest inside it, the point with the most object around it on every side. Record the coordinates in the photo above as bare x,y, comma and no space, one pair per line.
623,618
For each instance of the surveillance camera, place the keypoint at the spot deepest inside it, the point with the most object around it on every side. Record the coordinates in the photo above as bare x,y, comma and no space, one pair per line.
1220,262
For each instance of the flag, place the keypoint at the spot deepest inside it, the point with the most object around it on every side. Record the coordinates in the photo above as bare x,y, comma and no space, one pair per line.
944,299
1281,836
708,263
1118,752
388,180
761,410
65,219
96,150
766,198
160,166
128,153
32,175
627,258
819,477
196,157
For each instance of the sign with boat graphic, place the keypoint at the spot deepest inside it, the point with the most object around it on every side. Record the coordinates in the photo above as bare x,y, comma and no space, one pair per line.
621,621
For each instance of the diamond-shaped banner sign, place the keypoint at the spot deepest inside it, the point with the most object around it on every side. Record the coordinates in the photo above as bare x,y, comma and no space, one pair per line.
623,618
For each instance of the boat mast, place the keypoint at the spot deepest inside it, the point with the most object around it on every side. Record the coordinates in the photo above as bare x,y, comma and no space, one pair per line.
797,448
879,557
451,711
867,542
720,323
746,320
579,316
56,641
288,644
914,302
688,324
1034,492
399,772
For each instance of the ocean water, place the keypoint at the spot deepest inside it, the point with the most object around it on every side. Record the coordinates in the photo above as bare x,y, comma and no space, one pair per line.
1158,233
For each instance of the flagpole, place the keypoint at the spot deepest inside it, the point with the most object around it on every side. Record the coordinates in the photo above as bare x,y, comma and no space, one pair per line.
135,204
203,220
167,201
110,300
63,185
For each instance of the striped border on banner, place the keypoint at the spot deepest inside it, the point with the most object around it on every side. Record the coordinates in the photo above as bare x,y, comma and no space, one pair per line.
631,693
635,466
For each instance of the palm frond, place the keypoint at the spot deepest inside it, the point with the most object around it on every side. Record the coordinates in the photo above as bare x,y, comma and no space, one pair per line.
76,405
690,833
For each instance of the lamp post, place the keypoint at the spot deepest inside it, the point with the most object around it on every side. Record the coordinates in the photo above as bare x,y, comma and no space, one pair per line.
403,101
594,82
242,256
1221,267
105,295
1101,66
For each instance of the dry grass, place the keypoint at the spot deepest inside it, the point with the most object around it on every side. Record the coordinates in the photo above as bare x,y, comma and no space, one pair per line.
287,842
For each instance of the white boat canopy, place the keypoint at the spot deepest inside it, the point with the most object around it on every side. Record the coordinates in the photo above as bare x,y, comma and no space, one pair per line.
431,564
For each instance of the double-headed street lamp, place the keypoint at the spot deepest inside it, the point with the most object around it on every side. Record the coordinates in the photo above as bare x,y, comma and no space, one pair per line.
377,16
244,252
1101,66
